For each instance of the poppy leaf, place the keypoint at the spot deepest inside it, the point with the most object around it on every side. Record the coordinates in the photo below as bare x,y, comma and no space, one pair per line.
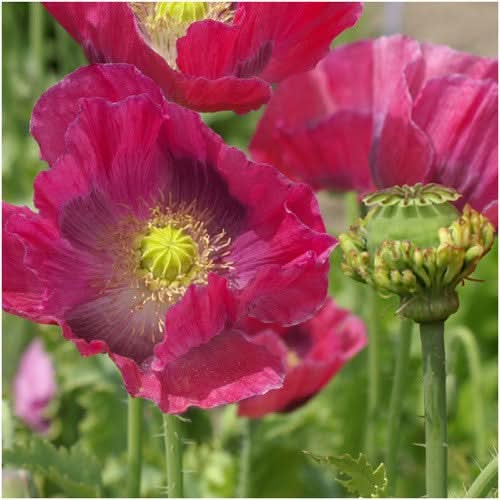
77,473
357,475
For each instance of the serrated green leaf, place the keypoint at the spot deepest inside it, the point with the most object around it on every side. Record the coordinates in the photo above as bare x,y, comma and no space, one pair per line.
104,427
357,475
75,472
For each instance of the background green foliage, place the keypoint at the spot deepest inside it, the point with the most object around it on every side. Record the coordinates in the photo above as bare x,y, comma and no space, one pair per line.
89,412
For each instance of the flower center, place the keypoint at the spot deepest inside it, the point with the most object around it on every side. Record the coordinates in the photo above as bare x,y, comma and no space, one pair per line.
181,12
168,252
162,23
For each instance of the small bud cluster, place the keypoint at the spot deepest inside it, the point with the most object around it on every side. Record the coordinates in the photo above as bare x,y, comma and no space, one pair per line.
425,278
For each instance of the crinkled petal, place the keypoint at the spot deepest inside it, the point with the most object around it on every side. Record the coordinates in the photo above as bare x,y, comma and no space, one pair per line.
398,68
212,374
323,138
401,153
217,60
273,40
337,83
203,313
332,155
331,338
108,33
240,95
104,147
272,193
287,294
301,384
305,37
461,116
441,60
25,237
60,105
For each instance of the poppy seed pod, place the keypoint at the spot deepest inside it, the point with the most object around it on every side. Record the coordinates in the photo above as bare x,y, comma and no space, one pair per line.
414,243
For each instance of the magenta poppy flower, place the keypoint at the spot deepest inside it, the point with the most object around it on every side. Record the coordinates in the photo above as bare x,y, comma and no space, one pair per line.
153,238
389,111
208,56
313,351
34,386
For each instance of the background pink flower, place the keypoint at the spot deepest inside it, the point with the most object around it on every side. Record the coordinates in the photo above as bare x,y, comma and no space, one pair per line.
129,171
209,56
34,386
313,351
388,111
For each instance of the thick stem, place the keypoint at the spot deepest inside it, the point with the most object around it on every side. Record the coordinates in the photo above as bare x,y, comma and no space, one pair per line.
436,443
396,404
173,455
245,460
485,481
135,425
373,377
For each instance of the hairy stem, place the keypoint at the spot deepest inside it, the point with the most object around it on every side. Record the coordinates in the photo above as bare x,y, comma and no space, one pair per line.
134,441
396,404
485,481
173,455
436,443
373,377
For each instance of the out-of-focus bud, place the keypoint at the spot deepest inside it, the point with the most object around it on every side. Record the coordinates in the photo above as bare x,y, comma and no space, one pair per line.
34,386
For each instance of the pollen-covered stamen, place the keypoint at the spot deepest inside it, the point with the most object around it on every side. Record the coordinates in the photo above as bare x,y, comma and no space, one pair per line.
168,252
157,258
162,23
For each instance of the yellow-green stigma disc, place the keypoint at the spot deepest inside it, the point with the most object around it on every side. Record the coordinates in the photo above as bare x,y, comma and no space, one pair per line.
182,12
167,252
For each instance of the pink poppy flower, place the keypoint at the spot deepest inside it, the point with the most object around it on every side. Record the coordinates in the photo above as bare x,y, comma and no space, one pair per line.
34,386
208,56
314,352
389,111
153,238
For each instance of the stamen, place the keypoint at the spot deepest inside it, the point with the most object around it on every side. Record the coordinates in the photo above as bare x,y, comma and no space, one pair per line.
159,258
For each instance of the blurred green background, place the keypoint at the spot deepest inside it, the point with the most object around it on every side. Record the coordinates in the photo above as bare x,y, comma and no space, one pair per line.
90,405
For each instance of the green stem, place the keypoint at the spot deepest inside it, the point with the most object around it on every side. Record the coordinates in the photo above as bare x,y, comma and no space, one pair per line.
135,425
373,377
245,460
396,404
469,343
36,36
173,455
485,481
436,443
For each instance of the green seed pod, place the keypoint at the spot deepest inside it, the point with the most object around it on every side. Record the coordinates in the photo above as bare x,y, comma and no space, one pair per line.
414,243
